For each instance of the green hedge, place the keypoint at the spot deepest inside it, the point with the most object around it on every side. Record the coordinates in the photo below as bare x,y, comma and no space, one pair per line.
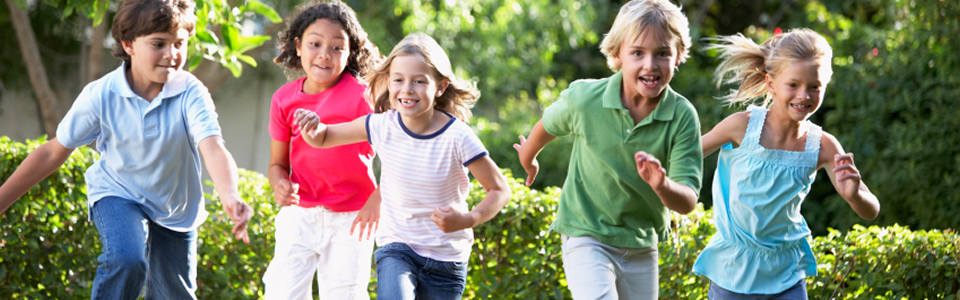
48,249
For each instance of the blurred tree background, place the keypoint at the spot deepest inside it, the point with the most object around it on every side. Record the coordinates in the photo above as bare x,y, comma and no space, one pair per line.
893,100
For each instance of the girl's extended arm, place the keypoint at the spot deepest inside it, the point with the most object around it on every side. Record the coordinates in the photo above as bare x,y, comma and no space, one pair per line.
278,173
846,178
39,164
223,171
528,149
731,129
498,193
321,135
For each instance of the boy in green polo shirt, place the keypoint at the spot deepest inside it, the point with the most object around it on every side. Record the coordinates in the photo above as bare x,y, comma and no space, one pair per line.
636,154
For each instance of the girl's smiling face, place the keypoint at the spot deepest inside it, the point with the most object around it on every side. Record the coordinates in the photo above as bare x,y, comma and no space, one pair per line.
413,86
798,90
323,49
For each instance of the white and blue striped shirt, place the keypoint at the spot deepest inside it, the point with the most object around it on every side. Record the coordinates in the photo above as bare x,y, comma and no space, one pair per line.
418,174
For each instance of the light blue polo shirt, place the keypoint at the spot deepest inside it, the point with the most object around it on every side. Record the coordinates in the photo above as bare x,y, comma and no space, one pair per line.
148,149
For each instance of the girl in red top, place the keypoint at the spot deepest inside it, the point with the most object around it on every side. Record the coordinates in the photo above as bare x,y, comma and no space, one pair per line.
323,192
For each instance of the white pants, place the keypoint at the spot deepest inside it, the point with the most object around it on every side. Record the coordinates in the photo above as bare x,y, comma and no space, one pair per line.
595,270
318,240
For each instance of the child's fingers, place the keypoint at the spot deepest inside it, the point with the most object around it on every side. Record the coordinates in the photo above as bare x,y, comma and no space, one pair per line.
373,229
354,225
843,158
850,168
851,176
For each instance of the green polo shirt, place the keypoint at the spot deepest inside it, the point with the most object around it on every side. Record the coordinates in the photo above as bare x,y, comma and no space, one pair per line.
603,196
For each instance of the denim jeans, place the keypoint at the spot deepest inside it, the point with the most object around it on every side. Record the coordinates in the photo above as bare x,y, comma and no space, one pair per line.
403,274
136,251
796,292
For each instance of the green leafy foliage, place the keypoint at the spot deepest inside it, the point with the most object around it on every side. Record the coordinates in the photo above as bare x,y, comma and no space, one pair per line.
230,18
49,249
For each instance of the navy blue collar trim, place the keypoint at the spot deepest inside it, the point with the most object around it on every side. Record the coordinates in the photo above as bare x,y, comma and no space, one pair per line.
429,136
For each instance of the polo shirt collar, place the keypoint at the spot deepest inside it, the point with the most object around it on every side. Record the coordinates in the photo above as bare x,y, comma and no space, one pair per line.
664,110
171,88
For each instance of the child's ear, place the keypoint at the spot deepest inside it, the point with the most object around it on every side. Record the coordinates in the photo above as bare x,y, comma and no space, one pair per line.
441,86
127,47
297,41
769,84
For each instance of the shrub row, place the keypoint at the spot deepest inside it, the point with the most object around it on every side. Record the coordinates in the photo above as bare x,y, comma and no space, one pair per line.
49,249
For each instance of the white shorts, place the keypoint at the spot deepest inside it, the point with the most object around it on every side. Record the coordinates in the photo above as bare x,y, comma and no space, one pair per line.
318,240
595,270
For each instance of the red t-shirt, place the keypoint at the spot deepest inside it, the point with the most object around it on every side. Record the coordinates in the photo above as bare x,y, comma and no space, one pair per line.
339,178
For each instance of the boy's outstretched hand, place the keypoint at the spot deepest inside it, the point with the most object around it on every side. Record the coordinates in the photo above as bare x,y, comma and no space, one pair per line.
847,175
650,169
532,168
240,212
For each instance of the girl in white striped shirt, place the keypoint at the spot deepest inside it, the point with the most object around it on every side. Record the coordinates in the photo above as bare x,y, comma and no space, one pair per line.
426,227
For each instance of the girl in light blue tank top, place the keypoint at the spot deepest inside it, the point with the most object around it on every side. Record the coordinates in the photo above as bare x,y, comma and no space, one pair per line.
768,160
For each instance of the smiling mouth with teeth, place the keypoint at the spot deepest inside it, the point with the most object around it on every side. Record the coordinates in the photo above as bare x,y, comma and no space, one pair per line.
649,79
800,106
408,101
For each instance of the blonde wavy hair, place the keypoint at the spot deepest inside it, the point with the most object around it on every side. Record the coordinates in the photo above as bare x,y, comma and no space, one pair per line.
457,99
664,18
746,63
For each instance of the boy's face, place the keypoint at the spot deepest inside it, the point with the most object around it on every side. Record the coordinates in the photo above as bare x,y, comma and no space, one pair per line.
157,57
323,49
647,64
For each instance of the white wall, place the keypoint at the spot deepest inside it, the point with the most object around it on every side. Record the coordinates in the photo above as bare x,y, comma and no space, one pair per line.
19,114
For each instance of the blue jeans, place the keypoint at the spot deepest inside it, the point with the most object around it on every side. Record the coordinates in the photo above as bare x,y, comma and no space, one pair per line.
136,251
403,274
796,292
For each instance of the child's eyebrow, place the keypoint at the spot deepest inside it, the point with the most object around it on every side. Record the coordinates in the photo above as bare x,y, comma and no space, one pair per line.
409,74
337,37
664,47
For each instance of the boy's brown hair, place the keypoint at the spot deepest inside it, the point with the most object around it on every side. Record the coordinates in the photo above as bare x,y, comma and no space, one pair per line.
136,18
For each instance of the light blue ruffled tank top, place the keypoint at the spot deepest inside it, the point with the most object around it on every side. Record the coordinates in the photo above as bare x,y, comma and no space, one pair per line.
761,242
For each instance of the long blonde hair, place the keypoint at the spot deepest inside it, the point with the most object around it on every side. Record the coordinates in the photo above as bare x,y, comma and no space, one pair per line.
747,63
457,98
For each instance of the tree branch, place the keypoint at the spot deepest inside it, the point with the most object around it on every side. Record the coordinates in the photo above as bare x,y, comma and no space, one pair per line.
95,58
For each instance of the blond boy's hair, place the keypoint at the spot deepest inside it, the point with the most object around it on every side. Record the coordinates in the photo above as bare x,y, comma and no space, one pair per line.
637,16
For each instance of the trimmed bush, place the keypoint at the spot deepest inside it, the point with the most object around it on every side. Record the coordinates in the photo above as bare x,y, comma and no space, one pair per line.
49,249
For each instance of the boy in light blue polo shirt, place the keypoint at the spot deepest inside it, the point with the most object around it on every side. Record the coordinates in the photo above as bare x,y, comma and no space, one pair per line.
150,120
636,156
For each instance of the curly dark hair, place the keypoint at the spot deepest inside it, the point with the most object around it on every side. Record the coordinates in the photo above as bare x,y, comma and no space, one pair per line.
136,18
364,55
